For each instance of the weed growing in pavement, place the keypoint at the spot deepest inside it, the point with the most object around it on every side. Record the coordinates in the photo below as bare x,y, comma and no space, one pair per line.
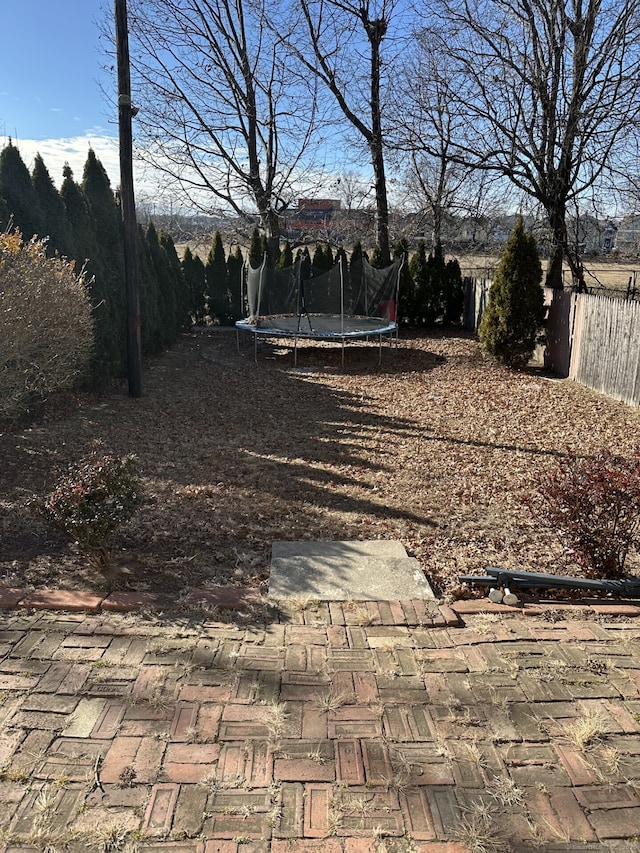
299,605
127,777
505,791
483,623
481,831
611,760
399,780
331,701
317,755
606,763
274,814
191,734
476,755
20,776
102,664
209,782
274,718
587,729
110,838
359,613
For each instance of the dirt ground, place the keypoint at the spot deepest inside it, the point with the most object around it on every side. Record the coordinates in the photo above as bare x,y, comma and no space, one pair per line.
436,447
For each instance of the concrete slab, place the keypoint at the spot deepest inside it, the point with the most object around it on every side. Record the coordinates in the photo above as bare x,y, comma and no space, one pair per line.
381,548
360,577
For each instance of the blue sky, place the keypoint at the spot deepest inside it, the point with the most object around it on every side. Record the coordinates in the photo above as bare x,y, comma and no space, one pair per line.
53,87
50,76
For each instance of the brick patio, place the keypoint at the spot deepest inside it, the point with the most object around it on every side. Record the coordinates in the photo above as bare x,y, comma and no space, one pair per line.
341,728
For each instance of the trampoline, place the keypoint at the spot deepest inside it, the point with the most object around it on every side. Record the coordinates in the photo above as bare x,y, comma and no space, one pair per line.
333,307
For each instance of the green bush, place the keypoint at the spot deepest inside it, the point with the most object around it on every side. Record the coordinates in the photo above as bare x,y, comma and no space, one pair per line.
594,503
46,326
515,313
216,283
96,496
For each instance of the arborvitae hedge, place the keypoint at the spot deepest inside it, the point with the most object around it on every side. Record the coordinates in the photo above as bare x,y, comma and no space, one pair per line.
286,257
194,276
376,258
109,271
235,263
182,317
217,284
405,293
452,293
419,304
81,223
256,252
16,188
431,290
84,223
55,224
322,259
151,317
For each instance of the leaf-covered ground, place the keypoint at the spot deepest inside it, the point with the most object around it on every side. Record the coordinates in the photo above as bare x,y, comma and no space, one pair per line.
436,447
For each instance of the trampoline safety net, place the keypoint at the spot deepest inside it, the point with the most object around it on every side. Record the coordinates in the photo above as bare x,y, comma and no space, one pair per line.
335,302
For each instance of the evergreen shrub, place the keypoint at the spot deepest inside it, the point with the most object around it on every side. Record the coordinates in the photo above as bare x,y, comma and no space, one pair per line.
515,312
218,297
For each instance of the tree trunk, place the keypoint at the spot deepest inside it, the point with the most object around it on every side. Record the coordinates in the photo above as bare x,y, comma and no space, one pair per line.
376,30
577,271
559,231
270,222
382,207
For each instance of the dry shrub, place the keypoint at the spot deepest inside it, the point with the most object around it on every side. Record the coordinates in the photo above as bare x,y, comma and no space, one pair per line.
46,326
594,503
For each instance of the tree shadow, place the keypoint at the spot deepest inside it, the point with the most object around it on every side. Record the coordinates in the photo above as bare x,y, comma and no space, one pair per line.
235,455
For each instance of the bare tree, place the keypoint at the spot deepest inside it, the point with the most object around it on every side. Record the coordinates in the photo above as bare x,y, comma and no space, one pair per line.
353,190
422,134
550,88
346,38
223,114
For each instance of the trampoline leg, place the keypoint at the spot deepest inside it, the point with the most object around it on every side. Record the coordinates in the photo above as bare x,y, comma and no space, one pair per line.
379,349
255,347
295,352
343,352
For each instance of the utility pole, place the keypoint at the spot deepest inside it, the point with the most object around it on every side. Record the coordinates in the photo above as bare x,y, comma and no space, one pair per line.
127,199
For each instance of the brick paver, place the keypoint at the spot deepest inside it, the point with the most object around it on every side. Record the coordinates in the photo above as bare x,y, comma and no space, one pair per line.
392,726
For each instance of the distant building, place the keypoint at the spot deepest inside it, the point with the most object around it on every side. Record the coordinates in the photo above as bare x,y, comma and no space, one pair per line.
313,216
628,236
591,235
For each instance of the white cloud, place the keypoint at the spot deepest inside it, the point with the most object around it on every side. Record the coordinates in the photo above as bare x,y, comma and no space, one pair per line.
72,150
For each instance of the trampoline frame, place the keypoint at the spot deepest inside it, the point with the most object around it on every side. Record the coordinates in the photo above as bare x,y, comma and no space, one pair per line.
380,328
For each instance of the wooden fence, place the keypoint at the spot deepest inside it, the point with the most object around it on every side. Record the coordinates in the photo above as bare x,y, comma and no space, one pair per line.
594,340
476,295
